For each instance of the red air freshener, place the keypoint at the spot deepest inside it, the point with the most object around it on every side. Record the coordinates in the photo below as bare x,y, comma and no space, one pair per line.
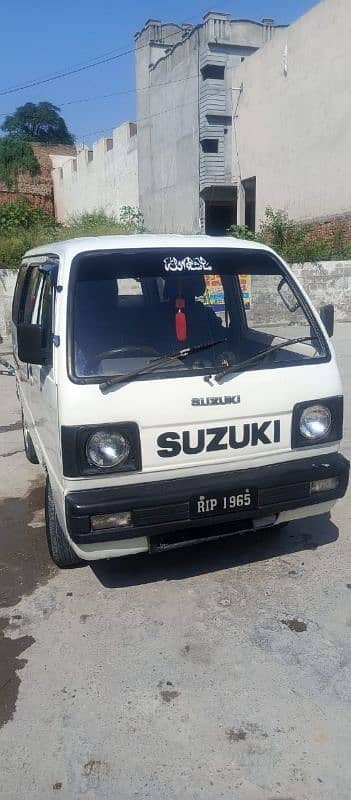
180,320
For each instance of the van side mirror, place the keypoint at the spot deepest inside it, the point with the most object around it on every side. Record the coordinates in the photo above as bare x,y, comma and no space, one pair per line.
30,344
327,315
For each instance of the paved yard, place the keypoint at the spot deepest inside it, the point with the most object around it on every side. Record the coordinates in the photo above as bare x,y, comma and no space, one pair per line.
216,672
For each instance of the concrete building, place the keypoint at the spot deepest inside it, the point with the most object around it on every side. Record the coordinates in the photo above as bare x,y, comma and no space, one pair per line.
232,116
293,122
187,92
102,178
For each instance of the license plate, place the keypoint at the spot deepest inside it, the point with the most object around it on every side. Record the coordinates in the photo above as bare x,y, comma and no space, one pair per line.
206,505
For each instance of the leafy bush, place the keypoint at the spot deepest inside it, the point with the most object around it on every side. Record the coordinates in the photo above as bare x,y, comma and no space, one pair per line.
21,214
284,235
13,247
295,242
22,227
241,232
98,223
131,218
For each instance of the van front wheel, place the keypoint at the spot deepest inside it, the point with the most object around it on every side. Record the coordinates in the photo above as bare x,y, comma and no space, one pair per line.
59,547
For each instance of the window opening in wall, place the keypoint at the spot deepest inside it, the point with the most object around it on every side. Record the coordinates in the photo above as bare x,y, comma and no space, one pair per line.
109,144
250,203
215,71
90,156
219,119
133,129
209,145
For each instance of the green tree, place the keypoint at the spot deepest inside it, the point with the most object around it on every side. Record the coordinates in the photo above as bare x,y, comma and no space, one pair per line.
38,122
16,156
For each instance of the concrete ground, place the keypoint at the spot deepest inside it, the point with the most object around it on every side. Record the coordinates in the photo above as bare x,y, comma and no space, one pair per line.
221,671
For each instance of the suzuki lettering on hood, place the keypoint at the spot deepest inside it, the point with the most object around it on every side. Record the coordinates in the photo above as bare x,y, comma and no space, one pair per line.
187,264
214,440
231,400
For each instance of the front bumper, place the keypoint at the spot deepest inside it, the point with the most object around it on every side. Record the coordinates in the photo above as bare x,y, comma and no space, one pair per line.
163,507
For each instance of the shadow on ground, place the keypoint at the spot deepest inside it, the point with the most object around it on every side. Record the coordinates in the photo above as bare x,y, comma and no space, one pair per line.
24,556
309,534
24,564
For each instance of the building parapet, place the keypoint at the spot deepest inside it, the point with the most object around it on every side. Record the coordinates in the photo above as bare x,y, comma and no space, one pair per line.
101,177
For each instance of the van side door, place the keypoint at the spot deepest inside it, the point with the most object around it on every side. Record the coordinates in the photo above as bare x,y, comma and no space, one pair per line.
38,389
25,297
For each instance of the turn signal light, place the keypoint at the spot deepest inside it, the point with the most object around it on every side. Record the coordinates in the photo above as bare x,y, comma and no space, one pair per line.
325,485
103,522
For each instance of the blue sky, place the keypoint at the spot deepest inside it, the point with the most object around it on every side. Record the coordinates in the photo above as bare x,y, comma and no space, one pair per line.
41,38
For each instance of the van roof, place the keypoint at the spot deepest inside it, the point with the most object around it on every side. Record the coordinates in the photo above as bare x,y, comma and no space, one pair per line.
73,247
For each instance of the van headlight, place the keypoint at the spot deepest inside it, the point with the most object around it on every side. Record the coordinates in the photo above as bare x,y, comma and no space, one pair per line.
106,449
315,422
100,449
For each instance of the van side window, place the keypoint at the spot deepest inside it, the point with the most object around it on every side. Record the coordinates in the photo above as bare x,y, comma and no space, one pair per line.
17,298
44,317
35,303
30,294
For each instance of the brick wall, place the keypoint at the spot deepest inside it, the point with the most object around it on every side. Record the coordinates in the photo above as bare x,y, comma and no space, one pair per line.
38,190
339,225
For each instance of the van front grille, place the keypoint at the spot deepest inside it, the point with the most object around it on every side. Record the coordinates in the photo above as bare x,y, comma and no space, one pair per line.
178,512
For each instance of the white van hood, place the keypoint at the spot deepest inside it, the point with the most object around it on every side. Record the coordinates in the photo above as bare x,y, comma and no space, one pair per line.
188,423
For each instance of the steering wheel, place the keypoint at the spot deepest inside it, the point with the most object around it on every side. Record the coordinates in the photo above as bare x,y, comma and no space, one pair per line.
133,349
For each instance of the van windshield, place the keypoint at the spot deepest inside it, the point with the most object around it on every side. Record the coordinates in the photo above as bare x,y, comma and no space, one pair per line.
131,308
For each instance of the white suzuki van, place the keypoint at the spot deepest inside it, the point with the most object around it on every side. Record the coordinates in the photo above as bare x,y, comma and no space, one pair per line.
175,390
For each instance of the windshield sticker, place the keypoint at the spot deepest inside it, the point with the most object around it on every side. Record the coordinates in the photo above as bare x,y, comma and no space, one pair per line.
245,285
214,294
187,264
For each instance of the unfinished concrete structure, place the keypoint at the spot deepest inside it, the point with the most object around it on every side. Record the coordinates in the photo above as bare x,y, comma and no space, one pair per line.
293,122
232,116
186,97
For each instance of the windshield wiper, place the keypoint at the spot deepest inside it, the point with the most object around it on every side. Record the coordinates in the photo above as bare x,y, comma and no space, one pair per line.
241,367
158,362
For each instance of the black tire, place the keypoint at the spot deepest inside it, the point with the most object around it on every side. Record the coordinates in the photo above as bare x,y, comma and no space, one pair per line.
28,444
59,548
